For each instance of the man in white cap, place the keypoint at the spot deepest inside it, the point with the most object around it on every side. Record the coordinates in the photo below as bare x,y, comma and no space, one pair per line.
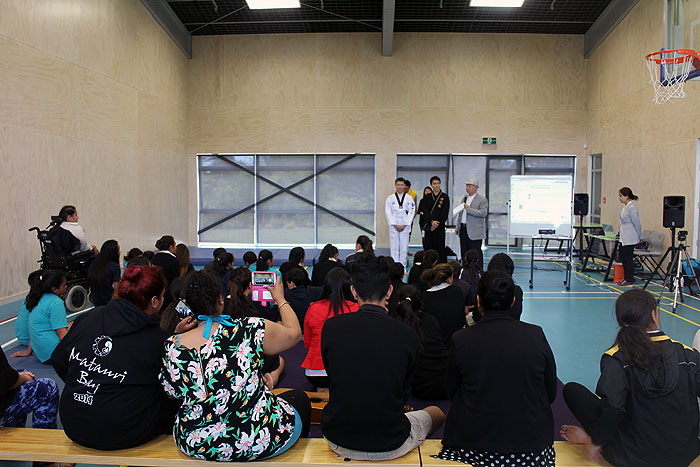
471,221
399,209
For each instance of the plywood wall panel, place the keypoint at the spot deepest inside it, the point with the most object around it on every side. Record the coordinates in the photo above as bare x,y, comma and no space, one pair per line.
40,91
293,75
480,70
338,79
108,109
569,73
293,130
545,131
17,20
204,90
235,130
386,81
385,130
245,71
339,130
56,29
529,62
433,70
455,130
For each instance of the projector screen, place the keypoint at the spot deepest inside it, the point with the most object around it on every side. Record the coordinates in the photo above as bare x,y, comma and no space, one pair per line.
541,202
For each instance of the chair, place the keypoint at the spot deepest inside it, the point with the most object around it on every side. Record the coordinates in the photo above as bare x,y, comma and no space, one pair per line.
649,259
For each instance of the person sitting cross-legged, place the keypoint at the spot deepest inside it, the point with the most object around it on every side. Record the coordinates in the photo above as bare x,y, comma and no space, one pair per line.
369,358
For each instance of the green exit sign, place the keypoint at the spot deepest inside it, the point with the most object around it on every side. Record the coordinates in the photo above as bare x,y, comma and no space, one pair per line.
488,140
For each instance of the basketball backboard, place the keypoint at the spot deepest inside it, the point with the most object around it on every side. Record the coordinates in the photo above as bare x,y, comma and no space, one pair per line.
682,28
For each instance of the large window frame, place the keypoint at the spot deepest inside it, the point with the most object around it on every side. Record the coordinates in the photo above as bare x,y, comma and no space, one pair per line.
307,190
595,164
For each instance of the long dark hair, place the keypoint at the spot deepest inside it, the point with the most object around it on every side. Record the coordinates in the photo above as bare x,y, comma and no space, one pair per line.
633,310
66,211
263,257
42,284
327,253
496,291
336,289
365,243
133,253
221,264
409,309
296,256
109,253
430,259
239,281
202,290
471,267
627,191
182,254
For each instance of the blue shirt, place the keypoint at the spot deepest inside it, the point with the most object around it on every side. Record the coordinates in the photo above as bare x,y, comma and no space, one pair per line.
44,319
22,325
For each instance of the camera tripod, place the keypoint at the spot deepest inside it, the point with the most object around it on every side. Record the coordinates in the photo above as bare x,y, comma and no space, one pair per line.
674,274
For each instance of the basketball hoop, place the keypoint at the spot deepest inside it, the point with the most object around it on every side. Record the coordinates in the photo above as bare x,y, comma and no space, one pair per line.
669,69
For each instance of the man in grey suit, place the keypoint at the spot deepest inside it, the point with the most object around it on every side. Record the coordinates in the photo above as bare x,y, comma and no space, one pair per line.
472,220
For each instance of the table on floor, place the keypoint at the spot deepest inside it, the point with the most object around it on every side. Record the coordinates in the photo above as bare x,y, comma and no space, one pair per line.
590,254
559,256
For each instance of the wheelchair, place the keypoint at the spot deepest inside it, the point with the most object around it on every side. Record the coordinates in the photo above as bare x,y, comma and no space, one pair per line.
74,266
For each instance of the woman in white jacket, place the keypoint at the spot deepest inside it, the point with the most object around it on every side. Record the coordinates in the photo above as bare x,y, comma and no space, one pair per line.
630,233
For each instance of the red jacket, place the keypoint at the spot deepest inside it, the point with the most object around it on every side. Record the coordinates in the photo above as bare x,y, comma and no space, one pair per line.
316,316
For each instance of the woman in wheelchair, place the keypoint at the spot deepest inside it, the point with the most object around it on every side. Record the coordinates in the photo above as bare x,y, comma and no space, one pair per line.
69,223
47,314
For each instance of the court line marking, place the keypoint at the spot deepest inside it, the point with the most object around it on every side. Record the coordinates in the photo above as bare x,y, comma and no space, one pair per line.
67,317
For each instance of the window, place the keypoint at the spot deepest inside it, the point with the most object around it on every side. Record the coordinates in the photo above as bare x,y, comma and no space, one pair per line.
596,168
285,199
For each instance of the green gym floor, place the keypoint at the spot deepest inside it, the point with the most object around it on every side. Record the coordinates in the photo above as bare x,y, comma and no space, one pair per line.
579,323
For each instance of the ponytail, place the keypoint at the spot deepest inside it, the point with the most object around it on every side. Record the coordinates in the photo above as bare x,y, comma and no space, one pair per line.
627,191
239,281
43,283
633,310
409,310
263,257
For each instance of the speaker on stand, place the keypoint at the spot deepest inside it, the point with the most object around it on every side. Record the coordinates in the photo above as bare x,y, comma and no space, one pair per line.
673,218
580,210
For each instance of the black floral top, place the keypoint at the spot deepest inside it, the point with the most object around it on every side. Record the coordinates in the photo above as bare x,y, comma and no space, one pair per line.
227,413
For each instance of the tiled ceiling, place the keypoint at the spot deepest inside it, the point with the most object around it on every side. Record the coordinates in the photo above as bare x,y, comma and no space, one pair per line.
213,17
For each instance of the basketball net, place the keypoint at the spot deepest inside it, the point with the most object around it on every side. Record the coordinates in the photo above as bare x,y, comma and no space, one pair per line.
668,70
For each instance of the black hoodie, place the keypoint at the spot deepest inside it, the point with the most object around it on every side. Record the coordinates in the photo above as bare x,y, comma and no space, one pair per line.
110,361
650,418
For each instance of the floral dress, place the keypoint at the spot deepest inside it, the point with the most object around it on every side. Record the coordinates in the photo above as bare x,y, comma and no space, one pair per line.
227,414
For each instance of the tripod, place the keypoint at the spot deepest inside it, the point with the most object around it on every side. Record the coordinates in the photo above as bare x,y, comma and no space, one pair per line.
674,274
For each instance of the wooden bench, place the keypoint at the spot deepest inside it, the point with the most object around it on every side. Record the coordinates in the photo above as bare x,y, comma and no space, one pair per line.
28,444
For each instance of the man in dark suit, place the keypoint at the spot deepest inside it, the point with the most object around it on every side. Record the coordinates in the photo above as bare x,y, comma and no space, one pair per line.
471,220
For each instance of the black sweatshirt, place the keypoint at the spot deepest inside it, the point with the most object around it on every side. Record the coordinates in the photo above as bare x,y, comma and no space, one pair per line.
502,380
110,361
447,306
369,358
8,378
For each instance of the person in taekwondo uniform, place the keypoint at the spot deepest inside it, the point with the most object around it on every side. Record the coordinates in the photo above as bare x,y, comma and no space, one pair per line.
400,209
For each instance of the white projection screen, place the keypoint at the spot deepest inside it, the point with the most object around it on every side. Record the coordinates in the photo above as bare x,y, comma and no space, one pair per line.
541,202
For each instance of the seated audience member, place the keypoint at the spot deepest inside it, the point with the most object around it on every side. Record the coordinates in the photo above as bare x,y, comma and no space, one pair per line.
457,282
22,321
363,247
297,255
417,268
21,394
76,242
334,301
133,253
222,269
104,273
148,254
500,413
396,274
228,414
369,358
138,261
47,313
110,360
182,254
431,366
265,261
645,410
165,258
241,306
249,259
209,267
503,262
300,296
169,315
471,273
327,260
446,302
429,259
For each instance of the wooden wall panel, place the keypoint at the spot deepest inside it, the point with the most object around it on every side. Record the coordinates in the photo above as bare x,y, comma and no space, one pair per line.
386,81
456,130
293,75
40,91
246,68
56,29
222,130
480,70
204,90
17,20
569,73
545,131
529,62
386,131
338,79
434,70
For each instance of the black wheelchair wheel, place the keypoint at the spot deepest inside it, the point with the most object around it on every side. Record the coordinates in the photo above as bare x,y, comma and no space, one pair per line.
76,298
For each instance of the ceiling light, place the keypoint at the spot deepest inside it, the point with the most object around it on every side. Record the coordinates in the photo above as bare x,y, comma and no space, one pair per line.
262,4
495,3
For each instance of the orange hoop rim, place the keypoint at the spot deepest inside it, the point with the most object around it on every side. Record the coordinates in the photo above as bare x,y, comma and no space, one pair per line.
684,54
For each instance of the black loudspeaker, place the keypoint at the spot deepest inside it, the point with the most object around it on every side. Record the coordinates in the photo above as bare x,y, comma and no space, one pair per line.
674,211
580,204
